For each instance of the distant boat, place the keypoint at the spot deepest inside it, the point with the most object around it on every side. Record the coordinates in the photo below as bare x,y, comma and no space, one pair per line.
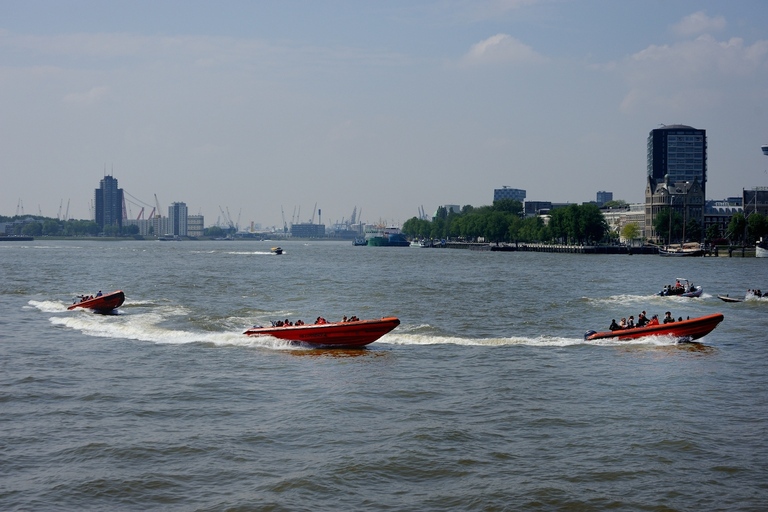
276,250
360,241
685,330
342,334
761,249
726,298
682,288
102,303
386,237
764,147
681,251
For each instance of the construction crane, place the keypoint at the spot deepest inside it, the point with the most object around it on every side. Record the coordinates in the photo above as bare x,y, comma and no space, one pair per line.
61,205
158,210
66,215
313,214
285,226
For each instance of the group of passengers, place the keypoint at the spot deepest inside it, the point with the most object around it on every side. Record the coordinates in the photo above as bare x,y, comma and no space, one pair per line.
678,288
642,321
756,293
84,298
320,320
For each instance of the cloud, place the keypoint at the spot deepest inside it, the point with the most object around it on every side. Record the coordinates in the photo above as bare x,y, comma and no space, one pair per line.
692,74
698,23
87,98
500,49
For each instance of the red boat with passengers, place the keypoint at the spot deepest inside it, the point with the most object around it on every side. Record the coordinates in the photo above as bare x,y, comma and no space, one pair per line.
355,333
101,303
685,330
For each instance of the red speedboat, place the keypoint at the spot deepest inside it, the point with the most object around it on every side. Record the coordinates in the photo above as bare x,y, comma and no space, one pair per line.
343,334
685,330
103,303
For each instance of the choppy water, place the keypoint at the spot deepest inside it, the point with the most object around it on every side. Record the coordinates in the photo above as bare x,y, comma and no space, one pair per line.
485,398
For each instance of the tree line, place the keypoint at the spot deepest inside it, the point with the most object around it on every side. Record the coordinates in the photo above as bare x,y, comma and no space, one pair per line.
504,221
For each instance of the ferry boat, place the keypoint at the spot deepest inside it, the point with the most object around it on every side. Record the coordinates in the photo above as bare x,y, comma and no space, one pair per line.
101,303
685,330
355,333
386,237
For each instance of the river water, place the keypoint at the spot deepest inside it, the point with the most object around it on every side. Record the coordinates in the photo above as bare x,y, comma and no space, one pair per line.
485,397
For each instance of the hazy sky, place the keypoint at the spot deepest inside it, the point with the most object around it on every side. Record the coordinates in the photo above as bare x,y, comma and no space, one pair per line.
387,105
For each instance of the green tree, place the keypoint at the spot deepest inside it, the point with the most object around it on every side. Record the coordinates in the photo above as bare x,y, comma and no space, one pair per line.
662,223
32,229
713,233
630,231
512,206
693,230
51,227
213,232
736,228
616,203
757,226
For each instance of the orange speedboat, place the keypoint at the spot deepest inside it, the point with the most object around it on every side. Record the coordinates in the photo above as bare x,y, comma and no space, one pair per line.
342,334
102,303
685,330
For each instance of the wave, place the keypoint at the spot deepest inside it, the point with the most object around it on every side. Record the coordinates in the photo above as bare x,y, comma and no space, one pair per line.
539,341
148,326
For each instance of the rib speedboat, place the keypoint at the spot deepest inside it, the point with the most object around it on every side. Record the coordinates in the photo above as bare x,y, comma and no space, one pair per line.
682,288
342,334
685,330
101,303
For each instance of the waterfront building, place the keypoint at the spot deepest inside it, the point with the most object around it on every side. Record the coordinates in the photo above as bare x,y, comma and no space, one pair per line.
533,208
603,197
755,200
143,224
195,225
308,230
677,153
177,219
684,197
108,203
720,212
509,193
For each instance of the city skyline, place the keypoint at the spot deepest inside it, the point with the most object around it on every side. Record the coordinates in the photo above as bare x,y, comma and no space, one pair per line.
268,109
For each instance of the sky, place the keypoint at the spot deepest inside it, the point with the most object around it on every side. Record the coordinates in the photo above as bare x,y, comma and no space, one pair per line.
264,109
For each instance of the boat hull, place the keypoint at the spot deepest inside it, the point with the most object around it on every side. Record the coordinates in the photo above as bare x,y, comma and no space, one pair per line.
686,330
102,304
729,299
696,293
343,334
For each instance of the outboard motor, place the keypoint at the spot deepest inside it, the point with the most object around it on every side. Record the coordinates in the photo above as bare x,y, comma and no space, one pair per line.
588,334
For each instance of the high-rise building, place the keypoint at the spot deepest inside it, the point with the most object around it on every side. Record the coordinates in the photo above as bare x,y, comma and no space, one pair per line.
603,197
177,219
195,225
509,193
109,203
678,153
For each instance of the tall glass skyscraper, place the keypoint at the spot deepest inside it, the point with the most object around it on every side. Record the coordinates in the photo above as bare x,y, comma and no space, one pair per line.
109,203
679,152
177,219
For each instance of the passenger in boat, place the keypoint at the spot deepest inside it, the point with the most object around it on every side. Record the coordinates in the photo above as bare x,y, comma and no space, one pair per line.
654,320
642,320
344,319
279,323
299,322
614,326
623,323
354,319
668,318
631,322
99,294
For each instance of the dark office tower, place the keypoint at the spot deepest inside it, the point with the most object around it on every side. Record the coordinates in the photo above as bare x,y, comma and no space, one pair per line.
109,203
679,153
